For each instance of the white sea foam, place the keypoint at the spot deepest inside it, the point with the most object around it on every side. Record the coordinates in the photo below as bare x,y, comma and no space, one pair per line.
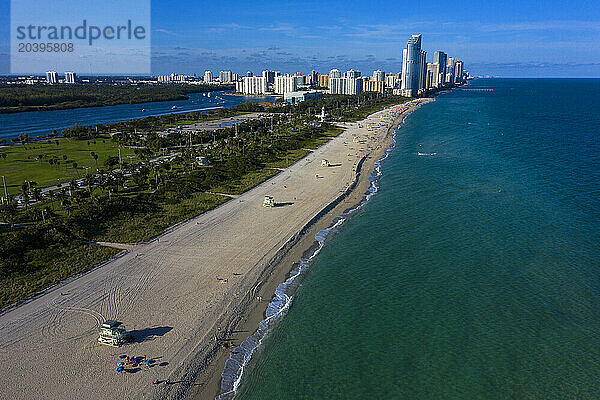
281,301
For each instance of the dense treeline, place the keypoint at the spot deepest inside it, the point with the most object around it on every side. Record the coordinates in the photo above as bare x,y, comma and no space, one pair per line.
20,98
139,200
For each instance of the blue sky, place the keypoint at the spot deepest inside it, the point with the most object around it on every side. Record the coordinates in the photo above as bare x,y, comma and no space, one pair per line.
503,37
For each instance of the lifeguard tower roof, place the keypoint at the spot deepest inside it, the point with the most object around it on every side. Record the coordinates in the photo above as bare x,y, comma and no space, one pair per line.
110,323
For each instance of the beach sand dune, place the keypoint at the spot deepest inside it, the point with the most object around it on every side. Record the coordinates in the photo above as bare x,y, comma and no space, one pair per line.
175,293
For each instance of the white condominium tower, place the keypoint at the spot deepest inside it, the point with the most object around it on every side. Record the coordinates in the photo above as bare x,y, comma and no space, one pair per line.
52,77
345,85
411,63
285,84
379,75
208,76
254,85
70,77
225,76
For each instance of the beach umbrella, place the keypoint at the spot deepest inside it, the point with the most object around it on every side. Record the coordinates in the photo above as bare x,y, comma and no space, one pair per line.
122,356
120,370
120,364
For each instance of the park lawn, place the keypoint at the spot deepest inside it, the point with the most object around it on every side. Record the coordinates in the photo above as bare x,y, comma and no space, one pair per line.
20,164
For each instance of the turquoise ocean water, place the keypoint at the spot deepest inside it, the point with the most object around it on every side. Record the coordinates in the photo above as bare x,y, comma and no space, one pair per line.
473,273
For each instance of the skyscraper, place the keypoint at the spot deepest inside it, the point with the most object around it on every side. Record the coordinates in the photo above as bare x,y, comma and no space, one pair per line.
441,58
352,74
208,76
314,76
335,73
269,76
450,72
254,85
323,81
378,75
225,76
423,71
458,71
284,84
52,77
411,66
70,77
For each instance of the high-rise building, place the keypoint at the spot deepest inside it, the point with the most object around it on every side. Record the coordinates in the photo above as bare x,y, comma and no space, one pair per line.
373,86
284,84
391,80
354,85
335,73
441,58
208,76
345,85
314,77
378,75
324,81
458,71
225,76
299,79
51,77
450,72
352,74
269,76
249,73
423,72
70,77
411,64
431,76
254,85
337,85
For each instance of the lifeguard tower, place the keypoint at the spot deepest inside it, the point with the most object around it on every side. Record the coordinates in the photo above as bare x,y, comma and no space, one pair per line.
113,333
268,201
324,163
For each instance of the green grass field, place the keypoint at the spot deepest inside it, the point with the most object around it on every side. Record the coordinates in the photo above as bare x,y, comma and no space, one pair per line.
23,162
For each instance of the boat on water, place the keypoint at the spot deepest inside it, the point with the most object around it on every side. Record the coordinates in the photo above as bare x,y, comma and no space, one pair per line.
175,107
143,109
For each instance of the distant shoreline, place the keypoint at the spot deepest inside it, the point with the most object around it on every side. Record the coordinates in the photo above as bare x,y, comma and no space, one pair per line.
83,98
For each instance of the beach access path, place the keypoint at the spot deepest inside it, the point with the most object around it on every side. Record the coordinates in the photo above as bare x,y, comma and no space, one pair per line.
175,293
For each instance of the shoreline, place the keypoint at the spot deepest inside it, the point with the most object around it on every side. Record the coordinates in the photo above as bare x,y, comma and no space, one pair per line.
303,250
190,296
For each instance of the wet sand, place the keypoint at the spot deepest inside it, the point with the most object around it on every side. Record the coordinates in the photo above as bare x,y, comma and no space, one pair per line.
196,283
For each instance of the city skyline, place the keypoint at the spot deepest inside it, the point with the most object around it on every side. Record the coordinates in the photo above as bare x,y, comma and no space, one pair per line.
507,39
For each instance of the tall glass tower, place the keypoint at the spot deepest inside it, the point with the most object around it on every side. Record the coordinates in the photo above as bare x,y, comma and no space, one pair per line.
411,66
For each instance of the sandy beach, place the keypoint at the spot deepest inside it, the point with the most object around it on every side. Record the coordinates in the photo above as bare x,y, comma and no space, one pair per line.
183,292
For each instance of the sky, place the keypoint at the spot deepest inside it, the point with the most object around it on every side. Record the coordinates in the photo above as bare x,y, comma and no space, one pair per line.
506,38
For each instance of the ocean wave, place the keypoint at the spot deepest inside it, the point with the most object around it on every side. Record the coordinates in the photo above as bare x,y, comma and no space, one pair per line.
231,376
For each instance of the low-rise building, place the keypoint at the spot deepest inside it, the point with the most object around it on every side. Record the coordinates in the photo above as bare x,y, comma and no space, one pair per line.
297,97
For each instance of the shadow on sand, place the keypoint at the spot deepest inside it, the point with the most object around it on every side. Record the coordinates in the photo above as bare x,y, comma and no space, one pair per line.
289,203
143,335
